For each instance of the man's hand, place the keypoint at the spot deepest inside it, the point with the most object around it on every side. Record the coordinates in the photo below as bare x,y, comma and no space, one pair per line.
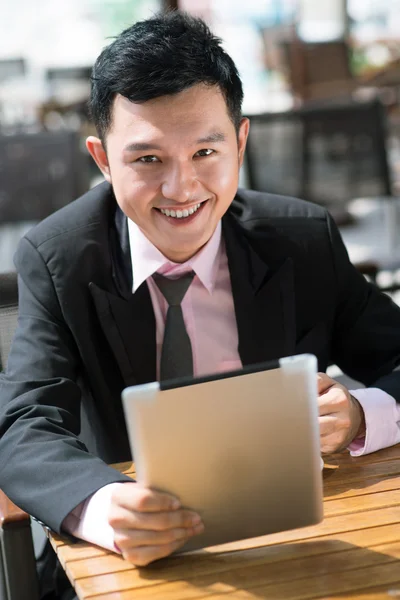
149,525
341,418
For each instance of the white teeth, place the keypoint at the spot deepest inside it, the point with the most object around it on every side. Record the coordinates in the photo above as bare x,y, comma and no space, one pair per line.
180,214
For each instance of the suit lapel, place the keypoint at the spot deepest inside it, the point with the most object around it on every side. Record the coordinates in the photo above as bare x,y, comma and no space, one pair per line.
129,326
263,293
127,319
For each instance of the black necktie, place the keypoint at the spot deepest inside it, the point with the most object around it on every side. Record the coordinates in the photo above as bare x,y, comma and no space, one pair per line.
176,354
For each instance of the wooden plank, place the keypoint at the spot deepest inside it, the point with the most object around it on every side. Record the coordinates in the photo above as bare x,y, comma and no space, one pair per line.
80,551
356,504
178,567
272,563
329,586
56,540
381,484
344,459
331,525
100,565
359,476
361,537
360,533
342,572
382,592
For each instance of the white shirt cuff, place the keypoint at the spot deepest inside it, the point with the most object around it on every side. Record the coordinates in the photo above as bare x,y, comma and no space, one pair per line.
89,520
382,419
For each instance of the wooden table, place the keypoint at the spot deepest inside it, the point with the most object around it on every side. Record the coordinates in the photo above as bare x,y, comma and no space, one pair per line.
354,553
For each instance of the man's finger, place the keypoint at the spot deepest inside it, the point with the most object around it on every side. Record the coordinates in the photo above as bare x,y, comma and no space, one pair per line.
332,401
330,443
144,555
125,519
134,497
330,424
324,382
130,538
166,520
327,425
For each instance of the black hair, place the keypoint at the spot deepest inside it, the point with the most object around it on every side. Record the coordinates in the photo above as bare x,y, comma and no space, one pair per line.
163,55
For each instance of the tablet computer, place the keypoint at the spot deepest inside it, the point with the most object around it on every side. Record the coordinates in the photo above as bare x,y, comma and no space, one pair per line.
241,448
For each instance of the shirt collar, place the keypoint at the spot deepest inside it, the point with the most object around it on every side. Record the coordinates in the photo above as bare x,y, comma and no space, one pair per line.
147,259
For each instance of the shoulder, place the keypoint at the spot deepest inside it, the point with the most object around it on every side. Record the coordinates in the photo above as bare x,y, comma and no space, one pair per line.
259,214
92,210
74,241
251,205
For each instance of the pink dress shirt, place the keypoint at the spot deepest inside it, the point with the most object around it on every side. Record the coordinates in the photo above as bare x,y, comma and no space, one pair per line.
207,307
209,316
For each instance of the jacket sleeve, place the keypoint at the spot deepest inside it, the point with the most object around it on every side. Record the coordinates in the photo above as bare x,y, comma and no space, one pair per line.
44,467
366,332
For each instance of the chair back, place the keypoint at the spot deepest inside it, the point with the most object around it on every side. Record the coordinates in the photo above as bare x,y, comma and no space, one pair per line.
40,173
310,78
273,156
328,154
8,314
345,152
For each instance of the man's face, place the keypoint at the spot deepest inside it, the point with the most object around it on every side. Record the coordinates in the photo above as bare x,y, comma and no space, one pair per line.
174,165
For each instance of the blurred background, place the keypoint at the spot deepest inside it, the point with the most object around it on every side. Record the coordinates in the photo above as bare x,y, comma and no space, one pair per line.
322,89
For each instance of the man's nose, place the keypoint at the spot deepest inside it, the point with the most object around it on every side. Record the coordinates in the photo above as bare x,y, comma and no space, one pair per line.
179,183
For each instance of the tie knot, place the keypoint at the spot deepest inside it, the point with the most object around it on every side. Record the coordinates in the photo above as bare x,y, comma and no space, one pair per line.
173,290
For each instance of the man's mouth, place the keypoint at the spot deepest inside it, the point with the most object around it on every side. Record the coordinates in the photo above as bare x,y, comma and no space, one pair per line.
184,213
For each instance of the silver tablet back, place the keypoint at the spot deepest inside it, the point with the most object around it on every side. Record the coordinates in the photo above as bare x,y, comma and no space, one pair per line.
241,450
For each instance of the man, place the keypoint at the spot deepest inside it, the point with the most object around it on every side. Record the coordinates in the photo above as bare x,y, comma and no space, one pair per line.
271,278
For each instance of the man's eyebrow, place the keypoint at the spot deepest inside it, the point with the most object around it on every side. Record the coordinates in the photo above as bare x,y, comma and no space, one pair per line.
141,147
212,138
216,136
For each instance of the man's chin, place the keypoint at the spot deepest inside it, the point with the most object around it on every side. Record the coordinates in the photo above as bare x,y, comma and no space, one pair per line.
180,253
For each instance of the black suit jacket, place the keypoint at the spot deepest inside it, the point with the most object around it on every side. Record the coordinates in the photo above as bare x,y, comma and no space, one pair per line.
82,336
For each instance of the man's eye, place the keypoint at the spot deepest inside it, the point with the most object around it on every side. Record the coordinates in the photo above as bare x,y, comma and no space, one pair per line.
205,152
148,159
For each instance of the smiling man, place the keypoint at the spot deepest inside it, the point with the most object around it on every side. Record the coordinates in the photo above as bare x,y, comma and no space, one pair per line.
260,277
173,163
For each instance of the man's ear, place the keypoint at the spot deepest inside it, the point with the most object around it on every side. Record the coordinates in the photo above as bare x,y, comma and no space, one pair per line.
99,155
242,138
